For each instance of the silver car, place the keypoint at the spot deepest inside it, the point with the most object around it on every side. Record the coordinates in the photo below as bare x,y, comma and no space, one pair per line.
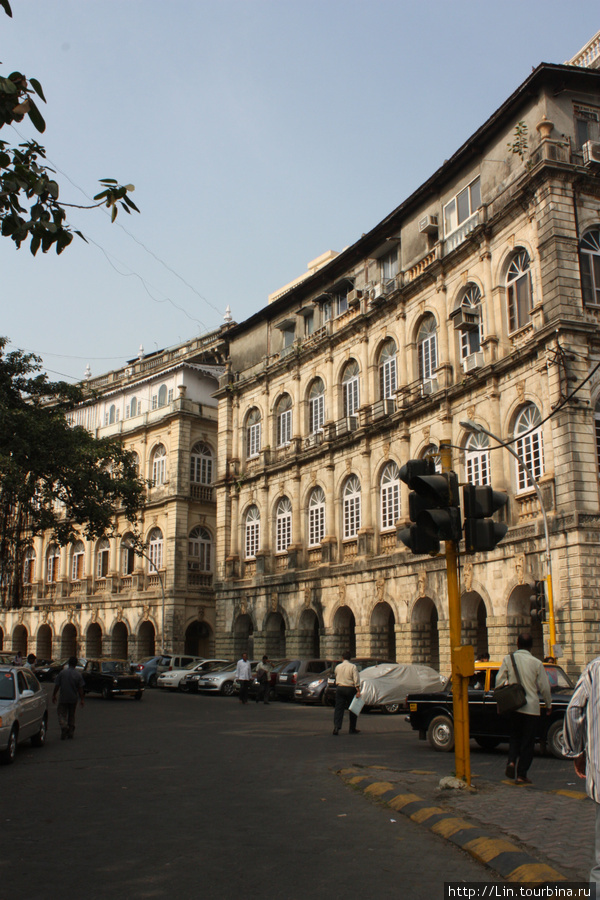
222,681
23,711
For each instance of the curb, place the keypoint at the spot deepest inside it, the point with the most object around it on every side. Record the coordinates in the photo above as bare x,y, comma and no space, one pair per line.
498,854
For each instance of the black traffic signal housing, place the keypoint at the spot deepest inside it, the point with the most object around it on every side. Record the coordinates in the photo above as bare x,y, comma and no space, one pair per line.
480,502
433,506
538,601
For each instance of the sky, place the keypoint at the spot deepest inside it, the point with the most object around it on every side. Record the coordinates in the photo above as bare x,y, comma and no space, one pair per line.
258,134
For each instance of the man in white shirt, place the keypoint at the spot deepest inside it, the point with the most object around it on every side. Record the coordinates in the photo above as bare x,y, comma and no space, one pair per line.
582,741
243,674
347,682
524,722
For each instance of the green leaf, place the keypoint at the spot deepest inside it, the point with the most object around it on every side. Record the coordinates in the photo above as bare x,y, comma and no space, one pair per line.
107,181
37,87
113,214
36,117
35,244
6,7
82,236
6,85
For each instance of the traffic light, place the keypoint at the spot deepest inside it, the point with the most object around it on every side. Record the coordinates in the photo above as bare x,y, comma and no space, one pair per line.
480,503
538,601
433,506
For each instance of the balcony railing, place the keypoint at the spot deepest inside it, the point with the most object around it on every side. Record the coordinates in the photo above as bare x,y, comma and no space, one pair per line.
423,264
457,237
203,492
199,579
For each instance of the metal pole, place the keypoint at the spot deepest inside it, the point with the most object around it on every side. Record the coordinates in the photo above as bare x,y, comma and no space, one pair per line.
473,426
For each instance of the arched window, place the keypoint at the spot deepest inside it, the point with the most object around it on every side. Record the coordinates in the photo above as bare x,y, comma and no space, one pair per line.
78,561
477,459
283,420
252,541
390,496
351,388
199,549
351,500
155,549
518,290
52,563
427,349
29,566
201,464
316,517
102,558
162,395
127,555
159,465
283,520
112,413
589,249
253,433
471,334
135,459
388,374
131,408
316,406
432,452
529,445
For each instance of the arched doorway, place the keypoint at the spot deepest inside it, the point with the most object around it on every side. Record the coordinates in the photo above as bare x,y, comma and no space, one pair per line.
19,640
425,637
309,641
474,622
120,647
344,628
43,646
243,640
275,636
93,641
518,613
199,640
68,642
146,640
383,633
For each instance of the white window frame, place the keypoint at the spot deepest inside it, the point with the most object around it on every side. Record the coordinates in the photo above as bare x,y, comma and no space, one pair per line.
52,564
253,433
29,566
589,253
388,266
389,496
351,388
388,370
471,340
471,194
200,549
127,556
316,406
78,561
477,459
427,349
284,421
201,464
529,446
351,508
155,550
283,523
519,291
316,517
159,465
102,558
252,533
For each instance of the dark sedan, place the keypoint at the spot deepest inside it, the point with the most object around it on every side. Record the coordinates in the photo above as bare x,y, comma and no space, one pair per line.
432,715
112,678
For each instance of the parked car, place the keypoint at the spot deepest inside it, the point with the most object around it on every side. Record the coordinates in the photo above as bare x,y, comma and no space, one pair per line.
148,667
387,685
312,688
363,662
49,671
432,714
190,679
173,680
222,681
278,665
287,679
23,711
176,661
112,678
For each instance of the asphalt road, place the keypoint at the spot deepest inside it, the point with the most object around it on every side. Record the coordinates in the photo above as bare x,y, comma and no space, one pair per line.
185,796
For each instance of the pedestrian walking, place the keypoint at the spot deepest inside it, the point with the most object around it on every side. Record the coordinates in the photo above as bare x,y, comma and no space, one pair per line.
347,682
263,674
582,741
31,660
18,660
68,688
243,674
524,722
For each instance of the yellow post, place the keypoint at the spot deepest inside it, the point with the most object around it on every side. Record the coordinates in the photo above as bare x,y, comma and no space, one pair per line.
551,619
460,698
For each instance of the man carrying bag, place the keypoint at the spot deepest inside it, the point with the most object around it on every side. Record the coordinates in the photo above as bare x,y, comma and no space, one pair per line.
524,722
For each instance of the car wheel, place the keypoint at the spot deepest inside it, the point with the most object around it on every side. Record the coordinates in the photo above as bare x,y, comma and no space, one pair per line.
391,708
440,733
555,740
227,688
8,756
39,739
107,693
487,743
184,688
152,681
139,695
327,700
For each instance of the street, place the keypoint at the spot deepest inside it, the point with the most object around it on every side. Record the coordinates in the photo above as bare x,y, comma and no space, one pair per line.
184,796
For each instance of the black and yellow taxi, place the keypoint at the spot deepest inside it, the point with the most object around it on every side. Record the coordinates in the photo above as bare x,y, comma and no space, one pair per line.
432,714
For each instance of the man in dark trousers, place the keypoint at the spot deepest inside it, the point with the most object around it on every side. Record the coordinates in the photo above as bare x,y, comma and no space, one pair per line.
347,682
524,722
68,688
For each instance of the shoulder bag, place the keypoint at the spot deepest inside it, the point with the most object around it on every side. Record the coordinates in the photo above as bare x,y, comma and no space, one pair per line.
510,697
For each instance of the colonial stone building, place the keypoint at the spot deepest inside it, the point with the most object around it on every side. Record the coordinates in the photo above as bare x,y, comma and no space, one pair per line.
477,299
101,598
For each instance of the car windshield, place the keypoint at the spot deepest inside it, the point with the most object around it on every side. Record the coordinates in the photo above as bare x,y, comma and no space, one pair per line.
7,686
558,678
115,667
210,667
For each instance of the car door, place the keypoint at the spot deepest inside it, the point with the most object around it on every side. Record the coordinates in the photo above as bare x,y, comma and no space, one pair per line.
38,701
26,708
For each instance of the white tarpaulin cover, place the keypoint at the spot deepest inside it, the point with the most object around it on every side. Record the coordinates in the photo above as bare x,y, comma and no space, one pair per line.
390,683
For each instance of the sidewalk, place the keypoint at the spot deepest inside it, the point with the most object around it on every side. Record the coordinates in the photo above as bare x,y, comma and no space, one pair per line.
523,833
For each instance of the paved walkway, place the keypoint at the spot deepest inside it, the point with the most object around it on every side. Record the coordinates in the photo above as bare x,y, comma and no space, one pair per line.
525,834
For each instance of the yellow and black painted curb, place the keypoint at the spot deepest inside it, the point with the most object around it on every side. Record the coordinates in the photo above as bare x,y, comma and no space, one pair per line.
497,854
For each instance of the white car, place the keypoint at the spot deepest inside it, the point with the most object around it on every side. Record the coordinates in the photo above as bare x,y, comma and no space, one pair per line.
174,680
386,686
23,711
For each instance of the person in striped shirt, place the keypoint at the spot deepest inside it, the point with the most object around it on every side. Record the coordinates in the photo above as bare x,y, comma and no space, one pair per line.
582,742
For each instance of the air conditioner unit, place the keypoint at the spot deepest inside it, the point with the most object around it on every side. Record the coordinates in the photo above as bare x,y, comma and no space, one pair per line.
429,386
313,440
354,297
377,292
428,224
465,321
345,426
473,361
591,153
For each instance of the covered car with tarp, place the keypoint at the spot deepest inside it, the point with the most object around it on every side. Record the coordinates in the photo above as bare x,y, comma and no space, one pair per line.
387,685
